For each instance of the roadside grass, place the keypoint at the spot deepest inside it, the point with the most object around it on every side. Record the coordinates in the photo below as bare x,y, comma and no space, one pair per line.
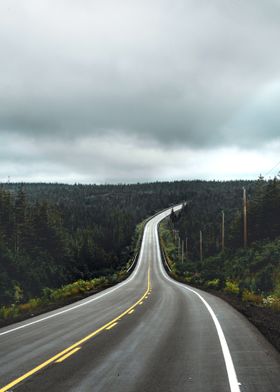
53,298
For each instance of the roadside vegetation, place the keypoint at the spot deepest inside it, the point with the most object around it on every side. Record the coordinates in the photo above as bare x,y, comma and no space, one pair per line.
53,298
56,297
251,275
247,276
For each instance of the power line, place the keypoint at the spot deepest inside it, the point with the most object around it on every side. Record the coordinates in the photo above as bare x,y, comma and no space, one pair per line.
274,167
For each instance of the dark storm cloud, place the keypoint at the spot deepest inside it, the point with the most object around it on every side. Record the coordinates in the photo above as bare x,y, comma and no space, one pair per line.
184,73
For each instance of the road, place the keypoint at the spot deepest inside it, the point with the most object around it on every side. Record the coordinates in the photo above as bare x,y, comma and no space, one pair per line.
148,334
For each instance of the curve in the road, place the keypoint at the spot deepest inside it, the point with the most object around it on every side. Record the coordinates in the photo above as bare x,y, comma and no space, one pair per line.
233,382
179,339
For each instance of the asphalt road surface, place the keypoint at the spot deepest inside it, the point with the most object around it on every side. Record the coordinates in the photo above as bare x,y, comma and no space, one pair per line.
148,334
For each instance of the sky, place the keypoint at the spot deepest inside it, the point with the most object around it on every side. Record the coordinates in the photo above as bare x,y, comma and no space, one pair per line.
98,91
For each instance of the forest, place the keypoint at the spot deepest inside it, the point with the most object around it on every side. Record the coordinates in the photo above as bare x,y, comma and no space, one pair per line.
55,234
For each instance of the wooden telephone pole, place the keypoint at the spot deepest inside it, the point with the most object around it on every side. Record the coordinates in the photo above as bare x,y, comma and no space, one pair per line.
200,245
223,231
245,229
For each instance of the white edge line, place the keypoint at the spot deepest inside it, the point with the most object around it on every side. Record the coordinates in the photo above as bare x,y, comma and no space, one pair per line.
232,378
95,298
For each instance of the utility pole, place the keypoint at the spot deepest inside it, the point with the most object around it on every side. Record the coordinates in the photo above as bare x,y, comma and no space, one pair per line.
186,247
182,252
223,231
245,230
200,245
179,247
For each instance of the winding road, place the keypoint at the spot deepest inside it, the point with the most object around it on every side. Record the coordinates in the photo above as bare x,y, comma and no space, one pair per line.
148,333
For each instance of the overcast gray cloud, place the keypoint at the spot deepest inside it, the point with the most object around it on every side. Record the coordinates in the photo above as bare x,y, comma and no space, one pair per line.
112,90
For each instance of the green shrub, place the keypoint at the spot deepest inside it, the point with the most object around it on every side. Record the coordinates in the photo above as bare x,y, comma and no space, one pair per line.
213,284
47,294
100,281
18,293
194,279
188,279
9,312
35,303
231,287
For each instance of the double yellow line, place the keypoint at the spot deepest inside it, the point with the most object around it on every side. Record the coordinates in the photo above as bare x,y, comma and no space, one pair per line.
61,356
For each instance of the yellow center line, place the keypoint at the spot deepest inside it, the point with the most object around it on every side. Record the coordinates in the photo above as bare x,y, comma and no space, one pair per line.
140,303
77,344
61,359
111,326
131,311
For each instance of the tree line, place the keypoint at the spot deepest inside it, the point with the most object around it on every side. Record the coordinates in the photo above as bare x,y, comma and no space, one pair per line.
53,234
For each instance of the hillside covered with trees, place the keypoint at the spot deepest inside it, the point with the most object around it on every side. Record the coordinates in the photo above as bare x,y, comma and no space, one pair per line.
244,266
55,234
